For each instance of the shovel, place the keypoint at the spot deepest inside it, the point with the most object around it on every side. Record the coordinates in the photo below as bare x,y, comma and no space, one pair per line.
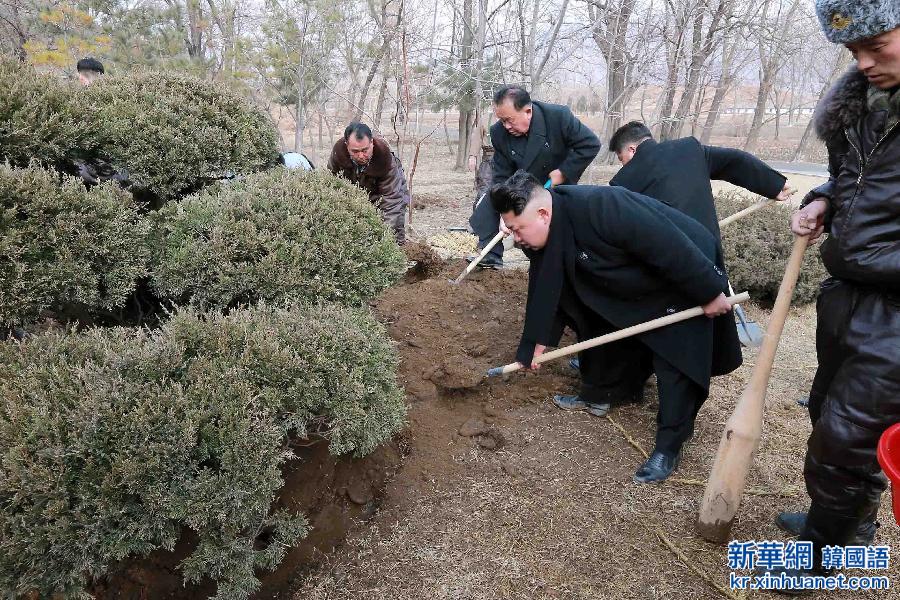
683,315
749,332
500,235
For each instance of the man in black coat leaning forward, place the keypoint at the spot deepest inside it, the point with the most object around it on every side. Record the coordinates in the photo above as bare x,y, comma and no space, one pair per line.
604,257
677,172
546,140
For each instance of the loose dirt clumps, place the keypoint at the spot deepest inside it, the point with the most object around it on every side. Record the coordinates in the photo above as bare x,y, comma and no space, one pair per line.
427,262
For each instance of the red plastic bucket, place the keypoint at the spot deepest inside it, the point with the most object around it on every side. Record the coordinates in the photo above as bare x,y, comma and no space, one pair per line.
889,459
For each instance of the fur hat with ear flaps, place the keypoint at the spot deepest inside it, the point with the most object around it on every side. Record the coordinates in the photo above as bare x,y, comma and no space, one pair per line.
847,21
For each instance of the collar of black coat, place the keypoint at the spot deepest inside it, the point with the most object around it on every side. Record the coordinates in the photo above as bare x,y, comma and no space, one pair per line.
546,278
379,166
537,134
842,106
635,171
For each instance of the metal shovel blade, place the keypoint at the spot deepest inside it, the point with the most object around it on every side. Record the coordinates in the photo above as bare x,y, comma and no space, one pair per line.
749,332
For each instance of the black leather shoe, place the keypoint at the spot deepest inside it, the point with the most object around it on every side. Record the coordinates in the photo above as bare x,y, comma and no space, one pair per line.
488,262
794,522
657,468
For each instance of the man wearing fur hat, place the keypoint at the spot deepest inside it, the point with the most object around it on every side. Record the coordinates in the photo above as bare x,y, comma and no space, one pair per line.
855,395
368,162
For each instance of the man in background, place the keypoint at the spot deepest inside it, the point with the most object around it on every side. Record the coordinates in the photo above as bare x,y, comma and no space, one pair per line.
544,139
89,70
369,163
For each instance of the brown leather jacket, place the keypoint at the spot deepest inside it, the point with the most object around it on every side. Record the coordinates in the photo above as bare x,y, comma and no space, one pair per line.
383,179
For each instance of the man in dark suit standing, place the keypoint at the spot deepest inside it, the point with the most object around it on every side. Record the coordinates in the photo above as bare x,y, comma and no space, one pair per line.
546,140
604,258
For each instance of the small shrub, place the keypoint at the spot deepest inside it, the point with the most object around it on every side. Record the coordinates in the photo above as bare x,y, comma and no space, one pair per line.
281,236
113,440
757,248
173,134
62,246
35,121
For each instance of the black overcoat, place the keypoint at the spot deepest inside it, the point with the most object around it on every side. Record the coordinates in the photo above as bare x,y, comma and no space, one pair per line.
556,140
630,259
678,172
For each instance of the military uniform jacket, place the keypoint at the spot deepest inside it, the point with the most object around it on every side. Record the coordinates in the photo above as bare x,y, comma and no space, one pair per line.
630,259
556,140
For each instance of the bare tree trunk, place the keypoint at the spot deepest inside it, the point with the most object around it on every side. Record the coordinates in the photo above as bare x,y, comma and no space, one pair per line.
537,73
772,58
702,48
379,106
447,133
839,66
722,86
298,111
609,30
360,106
762,95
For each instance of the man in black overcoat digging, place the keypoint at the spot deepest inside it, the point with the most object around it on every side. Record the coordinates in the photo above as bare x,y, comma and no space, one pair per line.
604,258
677,172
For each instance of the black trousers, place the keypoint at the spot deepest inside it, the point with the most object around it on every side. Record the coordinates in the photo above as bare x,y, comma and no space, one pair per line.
855,396
616,373
485,222
680,399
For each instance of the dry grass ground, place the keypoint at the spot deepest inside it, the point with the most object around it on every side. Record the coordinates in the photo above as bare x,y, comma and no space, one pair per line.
554,512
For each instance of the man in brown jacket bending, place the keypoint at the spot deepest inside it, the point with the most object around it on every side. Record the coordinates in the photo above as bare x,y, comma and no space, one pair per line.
369,163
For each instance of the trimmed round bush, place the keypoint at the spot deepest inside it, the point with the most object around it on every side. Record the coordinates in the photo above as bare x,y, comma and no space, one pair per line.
757,248
113,440
35,121
173,134
63,247
281,236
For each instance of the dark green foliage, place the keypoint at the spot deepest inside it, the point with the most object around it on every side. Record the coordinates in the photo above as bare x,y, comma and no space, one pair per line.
280,236
63,247
173,134
757,248
113,440
36,123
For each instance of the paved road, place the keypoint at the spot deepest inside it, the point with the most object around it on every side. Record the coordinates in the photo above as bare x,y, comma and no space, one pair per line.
800,168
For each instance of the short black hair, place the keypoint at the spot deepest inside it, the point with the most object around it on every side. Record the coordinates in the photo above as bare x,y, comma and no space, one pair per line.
514,193
90,64
629,133
519,96
358,130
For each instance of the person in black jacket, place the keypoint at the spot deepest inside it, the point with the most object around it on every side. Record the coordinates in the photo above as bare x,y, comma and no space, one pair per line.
604,258
546,140
855,394
677,172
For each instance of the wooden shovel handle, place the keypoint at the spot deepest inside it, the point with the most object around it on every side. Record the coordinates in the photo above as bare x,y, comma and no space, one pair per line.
500,235
739,440
743,213
683,315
